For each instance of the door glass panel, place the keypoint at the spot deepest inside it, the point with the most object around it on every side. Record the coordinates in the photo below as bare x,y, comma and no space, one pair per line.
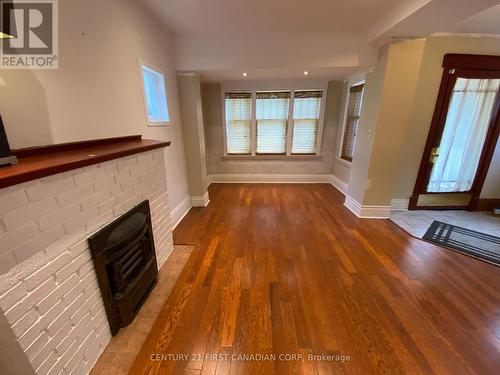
465,130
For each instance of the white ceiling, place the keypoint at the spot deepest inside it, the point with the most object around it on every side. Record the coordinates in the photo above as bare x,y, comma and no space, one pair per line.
277,74
281,39
238,16
428,17
485,22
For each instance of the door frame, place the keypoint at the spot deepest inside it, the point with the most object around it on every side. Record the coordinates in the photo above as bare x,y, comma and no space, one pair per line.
452,62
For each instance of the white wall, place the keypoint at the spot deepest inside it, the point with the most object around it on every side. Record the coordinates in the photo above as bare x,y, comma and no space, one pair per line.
407,77
12,357
97,92
423,109
491,187
397,96
194,133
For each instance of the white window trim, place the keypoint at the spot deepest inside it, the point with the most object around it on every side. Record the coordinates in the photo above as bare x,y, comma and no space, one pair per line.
149,123
347,163
253,145
289,124
321,121
297,157
253,134
346,107
224,128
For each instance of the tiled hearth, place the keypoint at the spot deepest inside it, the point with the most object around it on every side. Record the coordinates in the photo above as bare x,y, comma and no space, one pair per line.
49,296
119,355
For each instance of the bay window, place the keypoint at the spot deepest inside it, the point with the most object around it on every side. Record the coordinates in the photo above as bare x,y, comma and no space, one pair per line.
279,122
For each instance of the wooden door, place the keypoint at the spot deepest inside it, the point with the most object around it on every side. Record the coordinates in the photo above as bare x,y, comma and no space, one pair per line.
458,128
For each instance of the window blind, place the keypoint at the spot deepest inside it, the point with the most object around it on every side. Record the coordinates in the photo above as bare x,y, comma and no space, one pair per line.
352,120
272,117
306,113
238,122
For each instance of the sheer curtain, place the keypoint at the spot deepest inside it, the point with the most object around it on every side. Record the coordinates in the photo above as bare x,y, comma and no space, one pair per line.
464,134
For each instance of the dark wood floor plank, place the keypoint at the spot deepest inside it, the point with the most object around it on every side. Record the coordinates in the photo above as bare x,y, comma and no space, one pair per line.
287,269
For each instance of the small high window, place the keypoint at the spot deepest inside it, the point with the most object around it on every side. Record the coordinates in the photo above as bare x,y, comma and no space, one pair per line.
155,98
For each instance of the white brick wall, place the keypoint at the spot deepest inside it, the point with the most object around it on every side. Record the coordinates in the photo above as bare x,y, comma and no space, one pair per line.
48,288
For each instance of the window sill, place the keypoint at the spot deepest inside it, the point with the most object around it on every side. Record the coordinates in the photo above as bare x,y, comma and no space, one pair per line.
344,162
153,124
271,157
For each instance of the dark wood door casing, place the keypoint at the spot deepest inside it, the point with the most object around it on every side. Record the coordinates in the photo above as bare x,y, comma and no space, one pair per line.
467,66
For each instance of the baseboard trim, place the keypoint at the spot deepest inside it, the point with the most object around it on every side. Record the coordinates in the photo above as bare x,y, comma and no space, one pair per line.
367,212
261,178
339,184
400,204
180,211
352,205
200,201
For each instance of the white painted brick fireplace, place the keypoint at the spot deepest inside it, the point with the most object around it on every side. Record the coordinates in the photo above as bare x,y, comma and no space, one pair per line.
49,296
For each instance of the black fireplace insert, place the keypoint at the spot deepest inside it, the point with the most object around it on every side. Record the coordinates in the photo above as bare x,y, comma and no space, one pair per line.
125,262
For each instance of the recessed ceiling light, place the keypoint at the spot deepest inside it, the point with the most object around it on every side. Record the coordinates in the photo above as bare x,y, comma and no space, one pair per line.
306,73
244,74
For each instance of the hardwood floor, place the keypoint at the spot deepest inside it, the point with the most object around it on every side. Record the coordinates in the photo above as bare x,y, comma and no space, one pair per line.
288,269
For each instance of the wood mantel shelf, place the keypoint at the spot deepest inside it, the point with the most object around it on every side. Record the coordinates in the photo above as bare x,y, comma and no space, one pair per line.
38,162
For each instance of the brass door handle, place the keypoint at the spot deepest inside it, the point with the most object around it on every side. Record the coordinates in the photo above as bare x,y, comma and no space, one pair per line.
434,154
